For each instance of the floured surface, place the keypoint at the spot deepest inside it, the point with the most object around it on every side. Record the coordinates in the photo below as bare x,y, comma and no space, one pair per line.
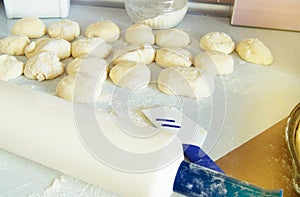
256,96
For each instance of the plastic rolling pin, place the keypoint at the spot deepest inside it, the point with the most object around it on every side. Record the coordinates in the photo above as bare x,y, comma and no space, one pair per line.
43,128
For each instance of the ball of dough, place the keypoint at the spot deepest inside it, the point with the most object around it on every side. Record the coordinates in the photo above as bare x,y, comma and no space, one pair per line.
92,47
217,41
89,66
32,27
254,51
14,45
173,57
43,66
107,30
139,34
131,75
10,67
144,54
173,38
64,29
185,81
79,88
215,62
60,47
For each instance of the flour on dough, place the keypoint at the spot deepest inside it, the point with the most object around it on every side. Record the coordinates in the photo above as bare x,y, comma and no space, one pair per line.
65,29
144,54
217,41
89,66
14,45
79,88
43,66
91,47
167,57
131,75
254,51
174,38
10,67
32,27
214,62
60,47
139,34
185,81
106,29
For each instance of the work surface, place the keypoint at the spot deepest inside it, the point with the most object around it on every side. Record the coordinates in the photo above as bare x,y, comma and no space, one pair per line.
256,97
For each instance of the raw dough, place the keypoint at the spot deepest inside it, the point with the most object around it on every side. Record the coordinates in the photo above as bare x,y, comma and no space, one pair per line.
139,34
60,47
131,75
43,66
217,41
144,54
107,30
65,29
32,27
215,62
79,88
14,45
254,51
172,38
10,67
185,81
91,47
89,66
173,57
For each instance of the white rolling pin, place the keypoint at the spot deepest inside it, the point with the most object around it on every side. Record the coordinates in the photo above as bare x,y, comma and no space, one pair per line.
42,128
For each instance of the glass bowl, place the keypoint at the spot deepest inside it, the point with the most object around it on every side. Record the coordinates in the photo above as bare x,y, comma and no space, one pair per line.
158,14
292,136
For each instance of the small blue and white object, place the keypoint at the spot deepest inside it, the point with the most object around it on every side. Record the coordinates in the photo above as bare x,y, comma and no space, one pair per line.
191,133
202,177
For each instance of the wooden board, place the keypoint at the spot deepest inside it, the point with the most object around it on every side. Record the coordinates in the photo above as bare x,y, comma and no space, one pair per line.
263,161
277,14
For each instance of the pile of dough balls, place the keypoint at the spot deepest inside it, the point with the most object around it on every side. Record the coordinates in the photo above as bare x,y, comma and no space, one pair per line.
178,77
182,74
58,42
251,49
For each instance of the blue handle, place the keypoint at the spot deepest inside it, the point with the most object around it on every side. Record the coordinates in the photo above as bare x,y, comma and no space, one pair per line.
196,155
195,181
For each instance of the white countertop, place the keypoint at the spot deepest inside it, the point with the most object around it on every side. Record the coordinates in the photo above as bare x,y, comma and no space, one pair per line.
256,97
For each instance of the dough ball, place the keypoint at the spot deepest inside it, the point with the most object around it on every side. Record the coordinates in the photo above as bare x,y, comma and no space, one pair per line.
60,47
14,45
185,81
92,47
107,30
144,54
32,27
139,34
79,88
43,66
254,51
95,67
217,41
173,57
64,29
10,67
215,62
173,38
131,75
